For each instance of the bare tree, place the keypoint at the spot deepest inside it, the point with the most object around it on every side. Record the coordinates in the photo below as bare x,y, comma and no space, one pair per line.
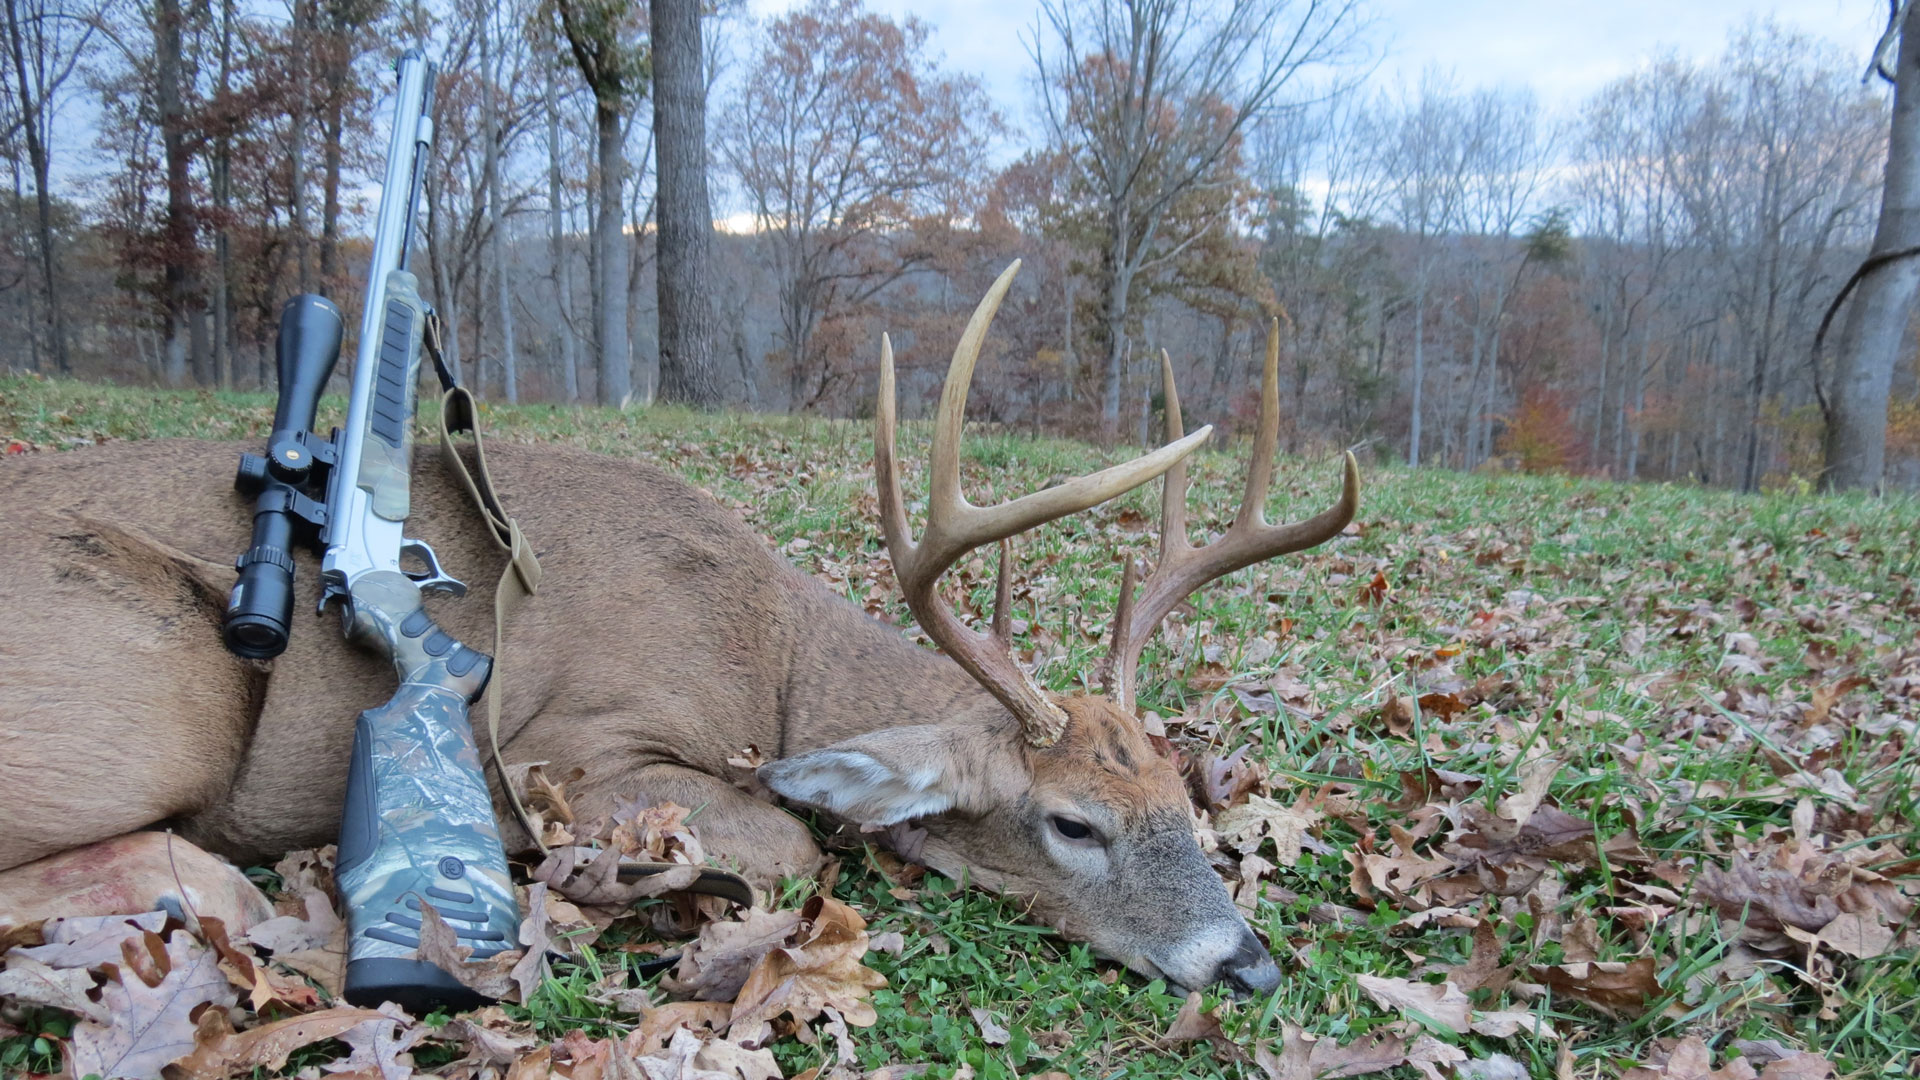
1884,284
1148,97
491,69
185,331
343,36
1427,152
45,41
856,152
1628,214
1507,159
1772,160
561,262
603,36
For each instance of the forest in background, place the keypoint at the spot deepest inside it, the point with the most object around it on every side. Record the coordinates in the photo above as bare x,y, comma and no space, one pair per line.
1634,289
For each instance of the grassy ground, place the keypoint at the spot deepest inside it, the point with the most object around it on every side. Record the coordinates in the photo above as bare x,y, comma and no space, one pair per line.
1702,665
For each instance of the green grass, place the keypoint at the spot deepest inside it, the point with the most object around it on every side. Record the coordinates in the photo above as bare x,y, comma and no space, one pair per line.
1618,653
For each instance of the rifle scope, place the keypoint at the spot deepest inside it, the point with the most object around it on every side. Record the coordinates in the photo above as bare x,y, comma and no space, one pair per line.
260,609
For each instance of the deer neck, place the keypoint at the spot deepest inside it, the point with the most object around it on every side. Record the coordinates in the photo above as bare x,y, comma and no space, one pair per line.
851,674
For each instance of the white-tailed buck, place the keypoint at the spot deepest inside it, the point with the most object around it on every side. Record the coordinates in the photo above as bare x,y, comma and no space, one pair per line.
665,639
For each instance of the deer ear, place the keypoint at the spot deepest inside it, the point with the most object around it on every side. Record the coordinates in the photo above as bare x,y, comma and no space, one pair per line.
892,775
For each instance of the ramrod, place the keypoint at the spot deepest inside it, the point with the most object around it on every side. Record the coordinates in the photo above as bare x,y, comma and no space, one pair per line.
665,639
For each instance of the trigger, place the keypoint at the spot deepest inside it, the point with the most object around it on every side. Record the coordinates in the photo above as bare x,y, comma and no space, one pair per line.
433,579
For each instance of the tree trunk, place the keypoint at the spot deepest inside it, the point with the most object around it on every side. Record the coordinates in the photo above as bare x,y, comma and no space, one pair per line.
1419,372
222,179
341,42
1119,283
297,147
496,241
609,307
442,284
1069,364
330,190
181,299
33,109
689,372
1870,339
646,377
556,237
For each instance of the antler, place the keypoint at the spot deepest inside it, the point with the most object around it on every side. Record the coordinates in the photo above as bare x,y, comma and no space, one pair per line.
1184,568
955,526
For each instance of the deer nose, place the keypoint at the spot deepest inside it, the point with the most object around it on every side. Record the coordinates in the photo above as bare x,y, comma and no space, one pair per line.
1250,970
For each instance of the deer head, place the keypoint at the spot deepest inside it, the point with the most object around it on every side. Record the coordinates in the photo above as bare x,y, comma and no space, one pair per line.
1059,799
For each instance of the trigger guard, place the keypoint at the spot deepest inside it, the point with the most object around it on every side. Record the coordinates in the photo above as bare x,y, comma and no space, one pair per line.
434,579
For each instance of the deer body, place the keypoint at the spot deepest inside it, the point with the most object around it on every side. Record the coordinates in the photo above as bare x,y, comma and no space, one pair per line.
666,634
666,639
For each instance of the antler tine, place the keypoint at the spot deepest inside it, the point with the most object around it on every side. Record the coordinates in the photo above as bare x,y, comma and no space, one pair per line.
1003,596
955,526
1250,539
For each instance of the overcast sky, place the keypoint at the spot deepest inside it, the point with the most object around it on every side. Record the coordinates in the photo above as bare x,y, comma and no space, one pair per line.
1564,49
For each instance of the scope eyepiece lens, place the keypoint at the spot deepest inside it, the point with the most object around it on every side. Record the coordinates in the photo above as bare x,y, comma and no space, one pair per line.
255,637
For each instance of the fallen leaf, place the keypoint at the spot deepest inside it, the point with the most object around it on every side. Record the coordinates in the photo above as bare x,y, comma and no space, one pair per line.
991,1031
313,941
380,1043
657,1025
1505,1025
1799,1067
1688,1059
531,967
151,1025
689,1057
1613,987
1483,964
489,1036
88,942
494,976
820,967
1433,1058
715,966
592,876
1308,1057
1535,777
1193,1025
1442,1006
220,1052
1857,935
30,982
1494,1067
1261,818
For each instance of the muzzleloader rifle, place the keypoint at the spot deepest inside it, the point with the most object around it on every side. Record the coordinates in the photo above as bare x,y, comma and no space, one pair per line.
418,828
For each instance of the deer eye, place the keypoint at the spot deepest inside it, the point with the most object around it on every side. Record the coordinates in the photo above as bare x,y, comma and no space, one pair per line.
1071,829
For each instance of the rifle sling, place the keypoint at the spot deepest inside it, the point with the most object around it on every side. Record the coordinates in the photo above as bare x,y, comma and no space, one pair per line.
519,580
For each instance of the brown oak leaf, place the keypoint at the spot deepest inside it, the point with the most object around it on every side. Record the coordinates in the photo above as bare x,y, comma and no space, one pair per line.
715,966
1193,1025
151,1023
1614,987
820,967
220,1052
494,976
1307,1057
1440,1006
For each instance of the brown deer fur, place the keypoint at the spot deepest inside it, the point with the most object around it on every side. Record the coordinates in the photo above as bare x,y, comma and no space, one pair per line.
665,639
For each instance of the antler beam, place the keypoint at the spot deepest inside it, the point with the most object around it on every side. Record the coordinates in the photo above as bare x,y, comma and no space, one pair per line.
955,526
1183,568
